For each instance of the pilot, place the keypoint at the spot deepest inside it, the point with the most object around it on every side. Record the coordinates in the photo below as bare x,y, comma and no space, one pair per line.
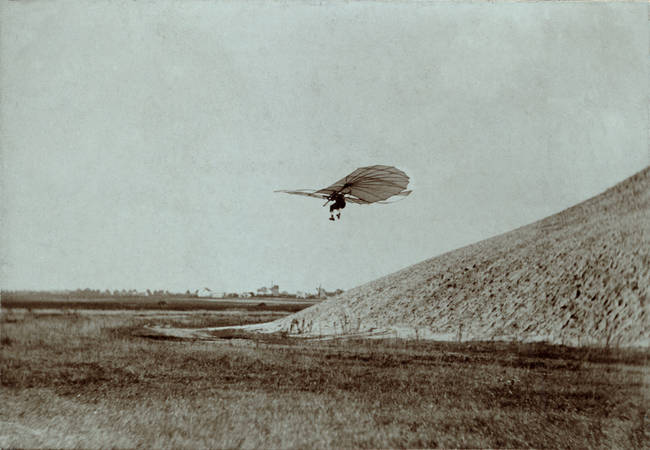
338,205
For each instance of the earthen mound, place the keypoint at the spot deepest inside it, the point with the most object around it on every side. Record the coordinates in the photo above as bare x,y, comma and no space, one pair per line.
579,277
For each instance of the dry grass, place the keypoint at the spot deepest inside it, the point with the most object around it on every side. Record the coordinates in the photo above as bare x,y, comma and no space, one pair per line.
56,300
76,380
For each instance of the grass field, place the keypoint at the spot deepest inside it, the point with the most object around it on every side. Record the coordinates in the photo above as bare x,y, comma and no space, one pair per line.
31,300
89,379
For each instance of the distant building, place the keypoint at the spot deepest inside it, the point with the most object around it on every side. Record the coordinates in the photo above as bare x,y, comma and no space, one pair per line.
301,294
275,290
205,293
209,293
322,293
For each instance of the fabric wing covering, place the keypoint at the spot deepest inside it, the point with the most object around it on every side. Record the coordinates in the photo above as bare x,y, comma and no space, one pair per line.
370,184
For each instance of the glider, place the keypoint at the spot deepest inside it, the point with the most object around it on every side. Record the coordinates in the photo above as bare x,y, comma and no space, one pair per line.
366,185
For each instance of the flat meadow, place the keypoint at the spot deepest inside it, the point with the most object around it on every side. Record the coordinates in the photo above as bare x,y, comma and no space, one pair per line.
96,378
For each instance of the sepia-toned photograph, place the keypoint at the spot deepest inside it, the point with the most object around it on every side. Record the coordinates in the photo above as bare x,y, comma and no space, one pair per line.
300,224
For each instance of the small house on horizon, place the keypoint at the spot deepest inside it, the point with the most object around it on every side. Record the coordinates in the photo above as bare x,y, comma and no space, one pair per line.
207,293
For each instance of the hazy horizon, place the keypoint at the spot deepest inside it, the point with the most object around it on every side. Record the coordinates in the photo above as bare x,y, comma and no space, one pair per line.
142,142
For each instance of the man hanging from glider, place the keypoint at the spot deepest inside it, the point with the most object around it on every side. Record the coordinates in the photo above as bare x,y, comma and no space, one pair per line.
366,185
338,205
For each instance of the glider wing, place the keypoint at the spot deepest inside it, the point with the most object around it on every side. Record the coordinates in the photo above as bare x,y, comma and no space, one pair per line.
306,193
370,184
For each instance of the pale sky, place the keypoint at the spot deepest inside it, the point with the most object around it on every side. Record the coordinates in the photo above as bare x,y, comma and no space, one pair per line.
142,141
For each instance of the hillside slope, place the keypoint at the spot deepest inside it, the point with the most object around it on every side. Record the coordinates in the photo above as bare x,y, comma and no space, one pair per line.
581,276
